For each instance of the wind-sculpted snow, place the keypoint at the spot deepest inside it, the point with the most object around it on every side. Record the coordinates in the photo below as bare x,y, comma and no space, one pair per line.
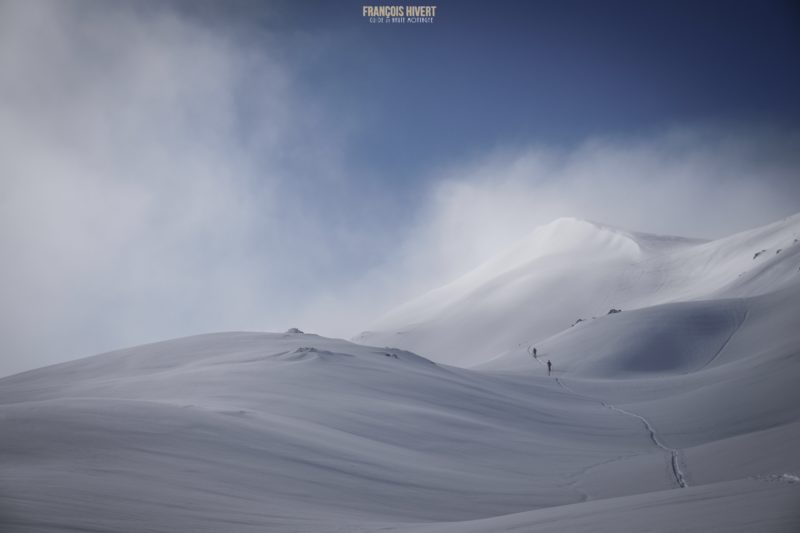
679,413
574,270
738,507
662,340
228,431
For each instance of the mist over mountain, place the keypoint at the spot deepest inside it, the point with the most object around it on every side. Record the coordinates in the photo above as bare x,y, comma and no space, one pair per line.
451,267
574,270
671,404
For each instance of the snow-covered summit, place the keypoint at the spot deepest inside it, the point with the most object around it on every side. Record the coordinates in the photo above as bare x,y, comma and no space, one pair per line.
563,237
573,269
655,416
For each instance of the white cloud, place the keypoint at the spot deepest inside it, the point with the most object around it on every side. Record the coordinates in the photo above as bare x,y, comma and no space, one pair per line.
694,182
702,182
143,163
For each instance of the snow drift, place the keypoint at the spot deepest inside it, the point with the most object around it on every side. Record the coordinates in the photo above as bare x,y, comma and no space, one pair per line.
680,413
573,270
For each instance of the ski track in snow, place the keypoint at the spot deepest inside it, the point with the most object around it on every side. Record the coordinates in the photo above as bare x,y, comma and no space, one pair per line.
680,477
724,344
675,457
244,432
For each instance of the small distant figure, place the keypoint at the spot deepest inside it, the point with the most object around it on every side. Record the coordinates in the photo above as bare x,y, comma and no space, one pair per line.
534,353
549,367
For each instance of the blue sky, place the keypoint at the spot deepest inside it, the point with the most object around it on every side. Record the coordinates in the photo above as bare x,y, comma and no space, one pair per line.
556,72
179,168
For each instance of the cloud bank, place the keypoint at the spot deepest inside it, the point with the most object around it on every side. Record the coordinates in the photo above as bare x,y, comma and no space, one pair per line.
695,182
153,171
704,182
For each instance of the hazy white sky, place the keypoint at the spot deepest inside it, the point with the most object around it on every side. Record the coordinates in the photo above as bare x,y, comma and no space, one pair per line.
163,176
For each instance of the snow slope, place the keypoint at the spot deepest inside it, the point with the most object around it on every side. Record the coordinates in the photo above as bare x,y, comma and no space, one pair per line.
764,505
680,413
241,431
294,432
573,269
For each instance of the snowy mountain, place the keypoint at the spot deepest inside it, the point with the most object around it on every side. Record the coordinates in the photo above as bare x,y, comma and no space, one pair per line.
292,432
680,413
573,270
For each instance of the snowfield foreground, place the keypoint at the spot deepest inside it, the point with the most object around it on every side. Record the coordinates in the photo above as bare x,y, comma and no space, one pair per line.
680,413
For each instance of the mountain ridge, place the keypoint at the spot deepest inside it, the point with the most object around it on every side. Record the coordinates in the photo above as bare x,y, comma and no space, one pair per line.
662,410
593,269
